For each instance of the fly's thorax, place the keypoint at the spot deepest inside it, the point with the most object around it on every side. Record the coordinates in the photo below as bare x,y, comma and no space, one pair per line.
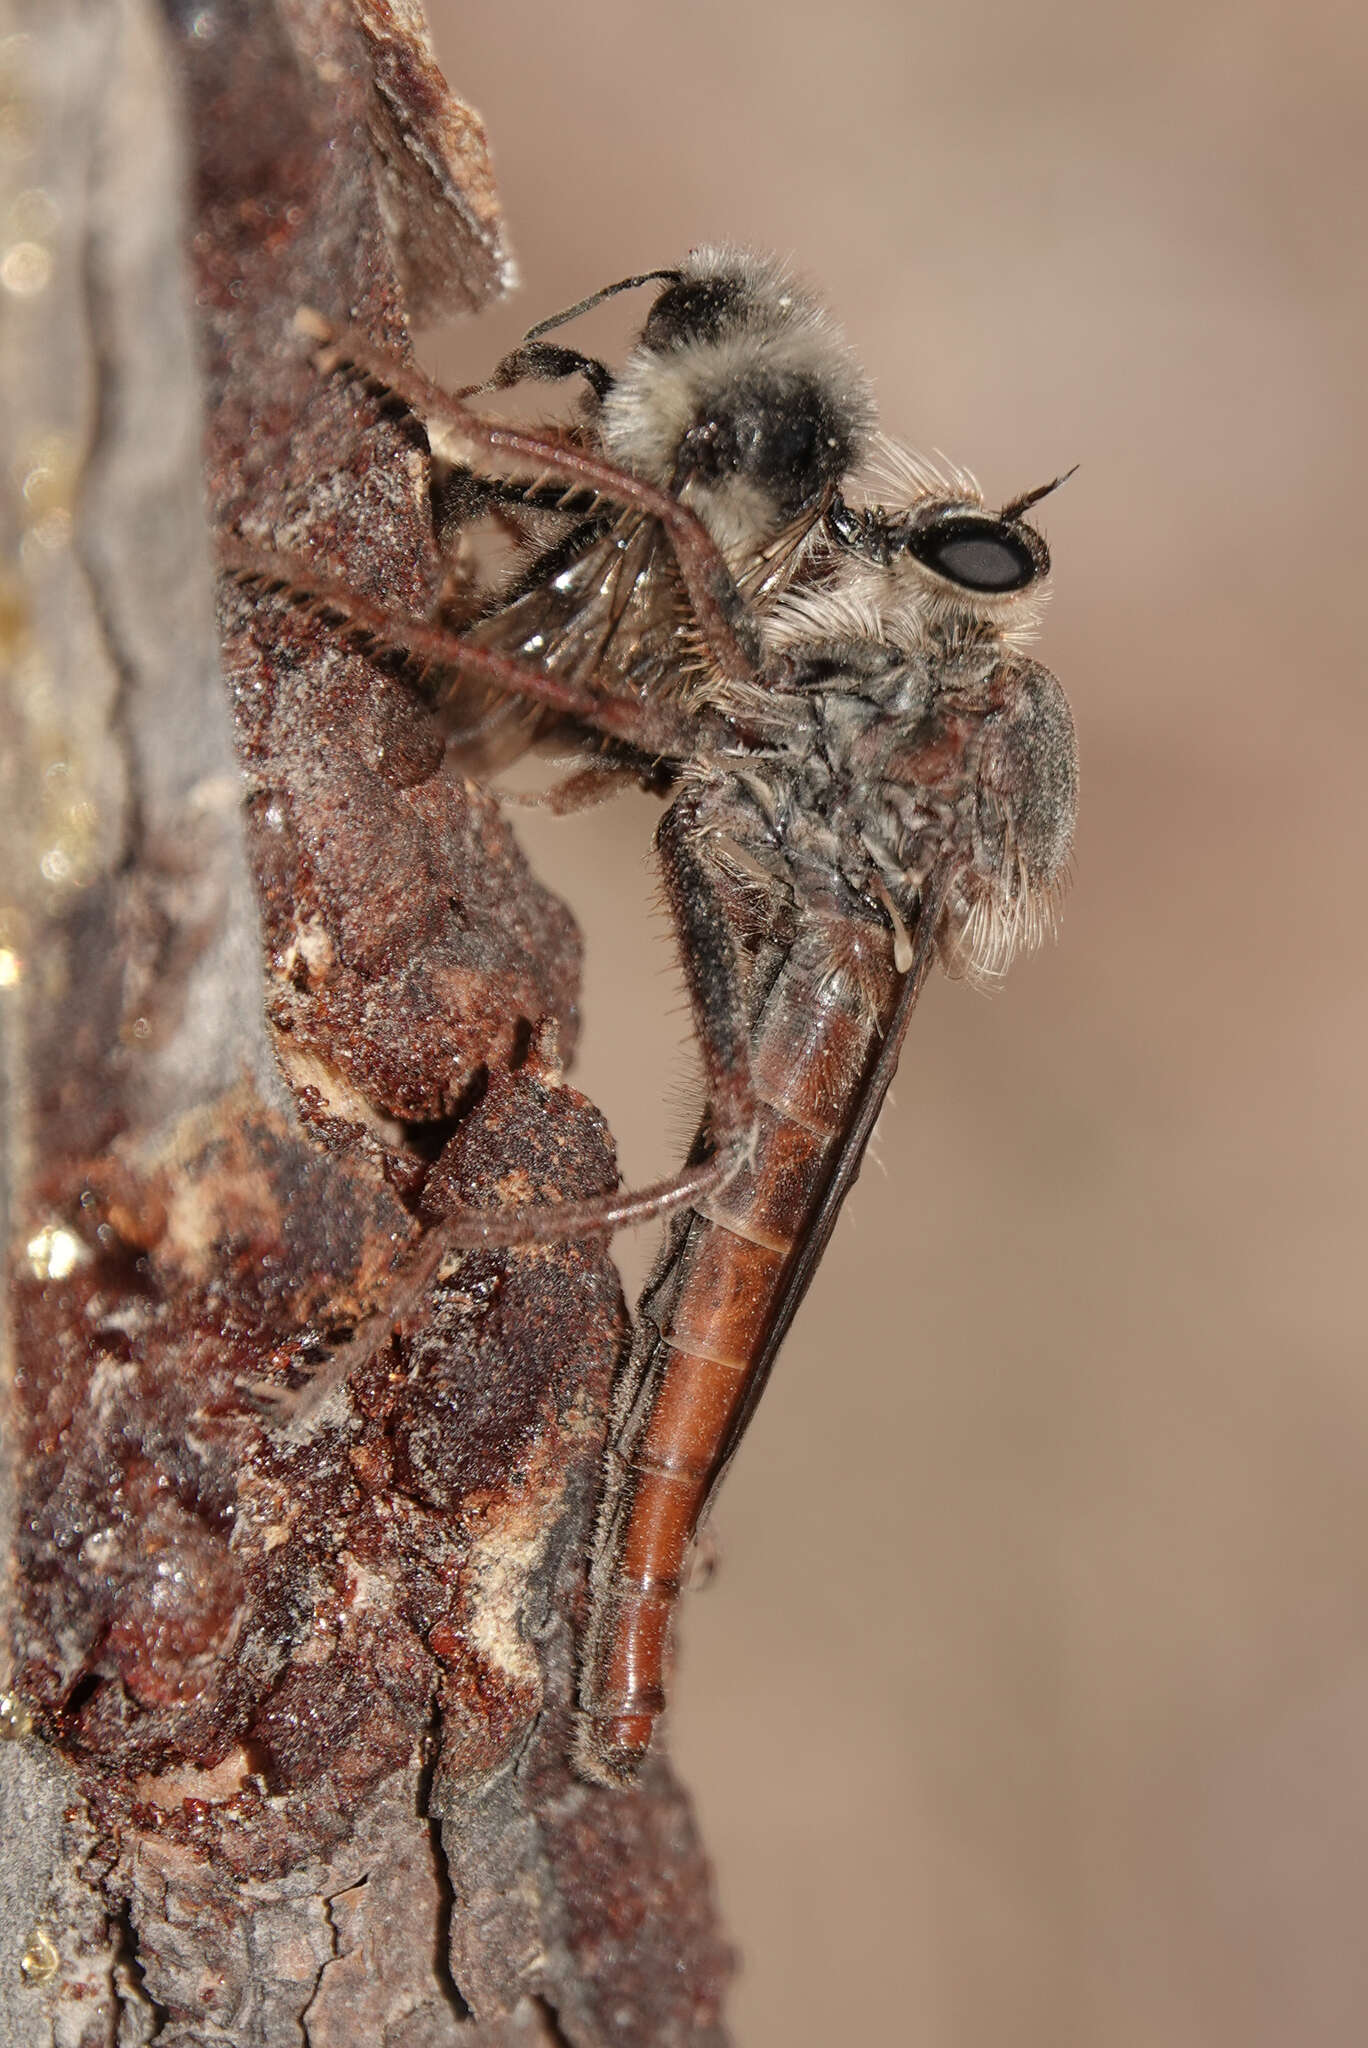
897,765
779,840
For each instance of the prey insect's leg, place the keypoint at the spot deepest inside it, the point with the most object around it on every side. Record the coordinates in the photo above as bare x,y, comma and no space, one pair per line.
459,435
532,361
460,496
548,362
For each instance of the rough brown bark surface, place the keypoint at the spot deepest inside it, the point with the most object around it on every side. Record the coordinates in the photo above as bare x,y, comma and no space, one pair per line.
291,1711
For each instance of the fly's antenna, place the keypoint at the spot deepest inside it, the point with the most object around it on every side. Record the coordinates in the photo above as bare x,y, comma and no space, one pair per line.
1024,503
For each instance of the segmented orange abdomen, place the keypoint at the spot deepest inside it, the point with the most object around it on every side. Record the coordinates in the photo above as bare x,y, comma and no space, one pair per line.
704,1319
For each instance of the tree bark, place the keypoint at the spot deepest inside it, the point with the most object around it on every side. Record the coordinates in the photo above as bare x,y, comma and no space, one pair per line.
290,1709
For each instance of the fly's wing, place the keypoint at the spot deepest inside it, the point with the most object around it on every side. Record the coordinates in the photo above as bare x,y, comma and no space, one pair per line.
844,1173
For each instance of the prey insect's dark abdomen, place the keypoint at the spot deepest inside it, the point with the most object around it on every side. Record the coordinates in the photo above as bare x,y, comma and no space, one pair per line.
707,1320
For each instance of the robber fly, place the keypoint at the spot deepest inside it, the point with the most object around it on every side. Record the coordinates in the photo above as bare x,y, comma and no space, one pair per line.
866,774
914,801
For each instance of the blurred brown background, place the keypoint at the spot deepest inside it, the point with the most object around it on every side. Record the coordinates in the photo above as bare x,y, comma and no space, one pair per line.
1030,1704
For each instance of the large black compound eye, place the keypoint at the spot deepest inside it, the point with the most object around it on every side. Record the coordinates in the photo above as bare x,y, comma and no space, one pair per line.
980,552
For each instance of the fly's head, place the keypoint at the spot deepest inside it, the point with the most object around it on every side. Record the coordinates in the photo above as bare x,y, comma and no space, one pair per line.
938,568
742,397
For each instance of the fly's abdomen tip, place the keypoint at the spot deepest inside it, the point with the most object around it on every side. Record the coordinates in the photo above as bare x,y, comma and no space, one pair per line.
610,1749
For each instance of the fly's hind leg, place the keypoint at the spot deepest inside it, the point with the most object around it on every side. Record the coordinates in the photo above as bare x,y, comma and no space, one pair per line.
651,729
705,942
712,977
588,787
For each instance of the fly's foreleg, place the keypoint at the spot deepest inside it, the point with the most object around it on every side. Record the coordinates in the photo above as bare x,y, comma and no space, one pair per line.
712,975
463,437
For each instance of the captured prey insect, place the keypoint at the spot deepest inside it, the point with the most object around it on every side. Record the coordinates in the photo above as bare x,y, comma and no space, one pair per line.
866,774
741,399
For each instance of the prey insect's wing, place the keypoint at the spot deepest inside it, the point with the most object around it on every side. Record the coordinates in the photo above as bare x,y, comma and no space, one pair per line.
845,1170
598,608
607,607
